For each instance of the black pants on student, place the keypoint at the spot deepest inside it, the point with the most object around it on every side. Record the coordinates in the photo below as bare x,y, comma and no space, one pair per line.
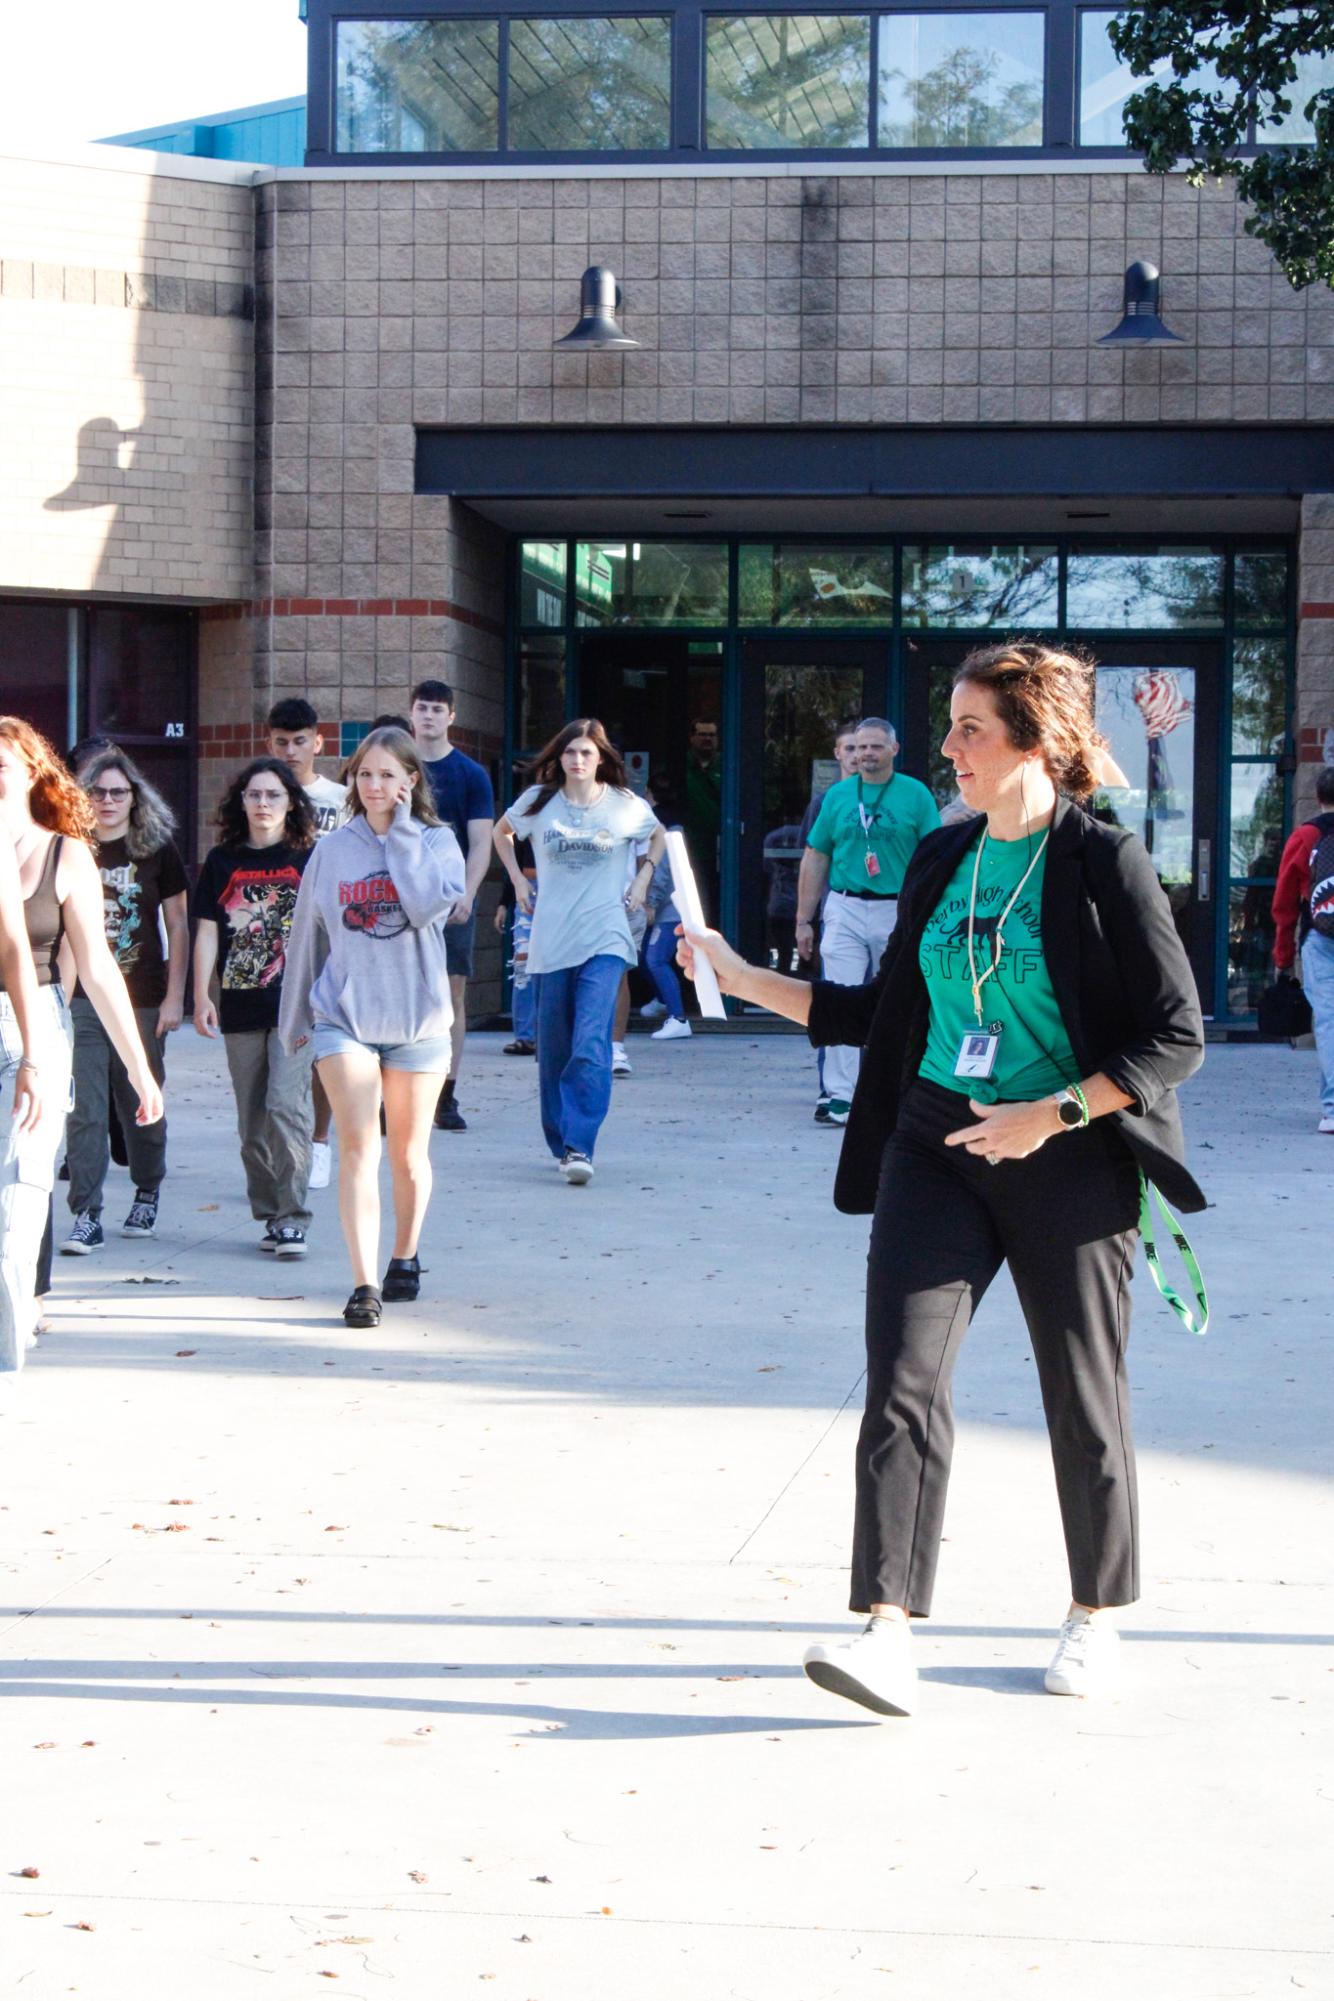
1065,1221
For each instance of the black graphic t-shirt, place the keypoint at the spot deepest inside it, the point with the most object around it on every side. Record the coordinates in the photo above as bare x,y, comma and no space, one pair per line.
133,892
250,894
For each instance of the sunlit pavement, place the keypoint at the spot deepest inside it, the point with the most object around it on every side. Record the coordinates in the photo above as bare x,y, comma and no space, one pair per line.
463,1657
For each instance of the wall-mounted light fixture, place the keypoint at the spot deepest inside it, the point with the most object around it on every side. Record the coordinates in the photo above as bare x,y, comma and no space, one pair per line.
1140,325
599,303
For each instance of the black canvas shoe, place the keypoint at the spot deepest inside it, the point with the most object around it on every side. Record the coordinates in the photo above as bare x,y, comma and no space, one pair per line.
86,1236
142,1219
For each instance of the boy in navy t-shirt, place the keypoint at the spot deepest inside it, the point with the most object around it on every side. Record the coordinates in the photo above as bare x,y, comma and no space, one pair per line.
465,801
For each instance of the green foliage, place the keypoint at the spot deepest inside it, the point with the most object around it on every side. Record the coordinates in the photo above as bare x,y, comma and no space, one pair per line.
1264,64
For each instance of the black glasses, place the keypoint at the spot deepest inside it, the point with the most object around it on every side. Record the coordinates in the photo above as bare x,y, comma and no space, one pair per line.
113,794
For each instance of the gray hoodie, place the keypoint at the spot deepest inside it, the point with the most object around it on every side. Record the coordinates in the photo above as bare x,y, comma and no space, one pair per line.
367,947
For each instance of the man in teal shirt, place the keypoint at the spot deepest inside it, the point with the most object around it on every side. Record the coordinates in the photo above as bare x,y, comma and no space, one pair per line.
859,848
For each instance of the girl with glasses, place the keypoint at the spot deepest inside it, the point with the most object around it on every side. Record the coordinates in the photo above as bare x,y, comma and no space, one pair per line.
244,902
143,877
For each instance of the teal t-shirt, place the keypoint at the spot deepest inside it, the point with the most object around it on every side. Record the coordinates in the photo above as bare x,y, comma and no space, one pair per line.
898,813
1034,1057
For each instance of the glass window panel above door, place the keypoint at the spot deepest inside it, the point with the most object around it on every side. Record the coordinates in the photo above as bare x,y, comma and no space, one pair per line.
949,79
781,81
1260,588
1259,697
542,583
790,583
418,86
1009,586
540,709
1180,588
651,583
1257,821
581,83
1105,82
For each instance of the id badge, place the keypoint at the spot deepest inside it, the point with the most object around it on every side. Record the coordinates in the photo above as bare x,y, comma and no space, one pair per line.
978,1049
872,864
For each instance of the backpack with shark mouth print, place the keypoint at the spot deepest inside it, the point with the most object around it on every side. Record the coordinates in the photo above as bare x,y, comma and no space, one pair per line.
1320,897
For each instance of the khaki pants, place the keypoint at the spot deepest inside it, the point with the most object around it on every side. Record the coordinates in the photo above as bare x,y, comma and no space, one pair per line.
273,1118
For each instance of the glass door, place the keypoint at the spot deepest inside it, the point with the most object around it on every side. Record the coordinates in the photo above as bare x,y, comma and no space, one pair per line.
794,694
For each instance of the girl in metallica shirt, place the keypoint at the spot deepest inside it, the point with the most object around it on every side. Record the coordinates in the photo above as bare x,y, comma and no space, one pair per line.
368,989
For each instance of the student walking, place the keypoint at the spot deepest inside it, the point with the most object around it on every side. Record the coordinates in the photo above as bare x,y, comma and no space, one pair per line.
294,736
464,802
1024,1037
244,902
44,821
583,820
1303,911
368,992
143,877
663,918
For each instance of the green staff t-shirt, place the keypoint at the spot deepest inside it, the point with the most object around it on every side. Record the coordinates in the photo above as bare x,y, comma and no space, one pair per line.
1034,1057
898,813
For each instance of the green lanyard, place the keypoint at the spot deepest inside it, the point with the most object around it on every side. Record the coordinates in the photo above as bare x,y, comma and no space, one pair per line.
1185,1313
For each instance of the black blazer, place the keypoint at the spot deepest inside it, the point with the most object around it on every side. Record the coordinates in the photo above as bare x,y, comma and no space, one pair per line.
1121,979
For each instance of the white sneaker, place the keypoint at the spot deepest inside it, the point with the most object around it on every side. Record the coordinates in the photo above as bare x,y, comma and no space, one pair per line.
673,1029
1087,1660
576,1167
620,1062
321,1164
653,1010
876,1669
1326,1124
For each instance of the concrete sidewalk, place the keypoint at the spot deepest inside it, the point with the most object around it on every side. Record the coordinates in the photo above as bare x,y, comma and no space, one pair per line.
463,1657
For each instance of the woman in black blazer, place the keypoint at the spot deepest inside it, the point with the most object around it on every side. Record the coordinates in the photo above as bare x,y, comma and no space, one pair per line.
1023,1040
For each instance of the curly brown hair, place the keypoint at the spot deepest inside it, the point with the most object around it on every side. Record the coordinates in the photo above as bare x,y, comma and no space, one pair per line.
57,801
232,824
1045,697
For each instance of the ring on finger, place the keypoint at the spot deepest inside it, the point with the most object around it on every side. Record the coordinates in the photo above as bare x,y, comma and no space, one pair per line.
992,1159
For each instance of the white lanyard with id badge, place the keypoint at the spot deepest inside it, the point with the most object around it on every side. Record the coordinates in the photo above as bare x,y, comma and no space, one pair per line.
868,820
979,1047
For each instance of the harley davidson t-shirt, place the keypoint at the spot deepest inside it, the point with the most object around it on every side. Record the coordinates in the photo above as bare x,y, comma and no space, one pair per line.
582,857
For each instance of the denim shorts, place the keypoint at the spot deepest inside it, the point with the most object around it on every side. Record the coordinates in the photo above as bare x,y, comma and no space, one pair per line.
429,1052
459,948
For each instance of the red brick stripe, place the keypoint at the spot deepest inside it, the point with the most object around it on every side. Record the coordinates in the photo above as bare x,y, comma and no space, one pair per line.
356,608
1318,611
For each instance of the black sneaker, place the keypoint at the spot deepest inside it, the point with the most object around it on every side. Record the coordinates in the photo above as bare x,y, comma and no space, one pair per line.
402,1279
576,1167
290,1241
822,1117
269,1241
142,1219
448,1117
86,1235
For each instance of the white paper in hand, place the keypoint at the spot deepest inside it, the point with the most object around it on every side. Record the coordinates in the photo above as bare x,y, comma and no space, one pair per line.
685,894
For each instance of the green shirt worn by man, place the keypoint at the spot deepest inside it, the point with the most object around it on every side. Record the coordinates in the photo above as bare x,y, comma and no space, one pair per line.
1033,1057
883,821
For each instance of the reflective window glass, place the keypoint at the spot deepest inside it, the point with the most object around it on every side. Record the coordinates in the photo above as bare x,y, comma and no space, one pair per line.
541,705
961,79
1011,586
788,583
418,86
1293,127
1105,82
1250,945
1147,715
580,83
140,662
1260,588
542,583
1257,821
1176,588
1259,697
34,646
788,80
651,583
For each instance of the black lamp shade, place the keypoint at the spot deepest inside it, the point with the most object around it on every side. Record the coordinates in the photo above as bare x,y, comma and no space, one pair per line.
1140,325
599,302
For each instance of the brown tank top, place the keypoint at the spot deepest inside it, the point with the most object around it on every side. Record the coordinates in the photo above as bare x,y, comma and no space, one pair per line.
44,918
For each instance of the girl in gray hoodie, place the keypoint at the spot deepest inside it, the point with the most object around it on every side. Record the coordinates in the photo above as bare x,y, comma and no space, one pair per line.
366,982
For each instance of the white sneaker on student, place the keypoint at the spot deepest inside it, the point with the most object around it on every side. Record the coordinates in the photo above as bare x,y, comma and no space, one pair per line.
653,1010
1087,1660
1326,1124
620,1062
672,1030
321,1163
875,1669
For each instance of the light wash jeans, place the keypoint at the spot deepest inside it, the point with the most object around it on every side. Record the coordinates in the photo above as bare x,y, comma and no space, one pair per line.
856,932
575,1010
523,994
28,1167
660,964
1318,980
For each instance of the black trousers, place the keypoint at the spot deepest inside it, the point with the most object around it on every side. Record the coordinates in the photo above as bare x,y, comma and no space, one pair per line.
1065,1221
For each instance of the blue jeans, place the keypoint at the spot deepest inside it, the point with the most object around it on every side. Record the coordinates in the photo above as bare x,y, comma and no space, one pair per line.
660,963
575,1008
1318,980
523,994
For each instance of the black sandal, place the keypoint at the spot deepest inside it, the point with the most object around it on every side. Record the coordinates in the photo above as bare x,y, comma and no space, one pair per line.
363,1308
402,1279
